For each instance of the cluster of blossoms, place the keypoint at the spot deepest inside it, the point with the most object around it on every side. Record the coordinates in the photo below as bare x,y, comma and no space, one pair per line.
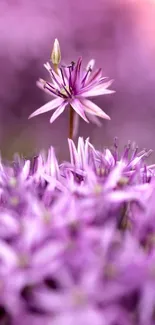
77,239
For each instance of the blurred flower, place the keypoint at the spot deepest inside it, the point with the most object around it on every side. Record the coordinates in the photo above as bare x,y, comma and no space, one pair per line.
71,86
77,246
103,162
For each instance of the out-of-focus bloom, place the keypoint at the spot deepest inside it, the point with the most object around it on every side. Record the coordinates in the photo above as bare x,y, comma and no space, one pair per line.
103,162
77,244
71,86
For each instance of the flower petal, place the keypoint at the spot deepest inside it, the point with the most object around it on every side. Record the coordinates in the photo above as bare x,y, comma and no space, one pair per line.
79,109
94,119
58,112
73,153
93,109
43,86
47,107
114,176
95,76
100,89
90,64
76,73
87,73
98,92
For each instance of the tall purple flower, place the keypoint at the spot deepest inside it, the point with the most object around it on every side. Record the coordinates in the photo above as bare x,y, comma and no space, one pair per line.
71,86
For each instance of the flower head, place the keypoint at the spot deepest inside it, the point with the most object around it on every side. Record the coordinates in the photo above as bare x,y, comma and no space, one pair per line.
71,86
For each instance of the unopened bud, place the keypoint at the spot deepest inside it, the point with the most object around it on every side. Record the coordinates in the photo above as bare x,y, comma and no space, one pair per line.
56,53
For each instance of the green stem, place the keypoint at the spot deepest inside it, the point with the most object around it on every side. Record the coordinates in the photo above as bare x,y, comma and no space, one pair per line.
55,66
71,122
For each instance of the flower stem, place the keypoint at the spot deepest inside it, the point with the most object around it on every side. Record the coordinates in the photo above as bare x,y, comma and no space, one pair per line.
55,66
71,122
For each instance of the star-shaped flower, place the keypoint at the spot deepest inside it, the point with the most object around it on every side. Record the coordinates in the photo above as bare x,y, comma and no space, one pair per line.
71,86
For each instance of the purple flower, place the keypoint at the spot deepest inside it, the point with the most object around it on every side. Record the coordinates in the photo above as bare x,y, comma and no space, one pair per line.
71,86
77,246
103,162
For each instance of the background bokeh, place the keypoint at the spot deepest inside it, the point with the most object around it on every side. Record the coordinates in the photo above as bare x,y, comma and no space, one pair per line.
119,34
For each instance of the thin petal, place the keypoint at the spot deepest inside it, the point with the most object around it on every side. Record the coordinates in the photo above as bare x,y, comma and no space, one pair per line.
56,78
92,85
48,107
41,84
101,89
109,157
90,64
87,73
119,196
47,66
25,170
79,109
114,176
103,84
93,109
7,255
47,253
52,167
58,112
95,76
73,153
76,72
94,119
98,92
81,152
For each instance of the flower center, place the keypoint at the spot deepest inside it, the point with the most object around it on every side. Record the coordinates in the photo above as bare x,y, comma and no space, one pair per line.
23,261
97,189
78,297
110,271
65,91
14,200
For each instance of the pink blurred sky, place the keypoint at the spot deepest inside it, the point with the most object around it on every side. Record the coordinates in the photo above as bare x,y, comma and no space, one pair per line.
119,34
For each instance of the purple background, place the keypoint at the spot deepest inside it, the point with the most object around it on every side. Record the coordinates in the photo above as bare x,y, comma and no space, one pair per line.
119,34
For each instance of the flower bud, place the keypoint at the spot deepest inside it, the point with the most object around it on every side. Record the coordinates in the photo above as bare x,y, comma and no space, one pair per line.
56,53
